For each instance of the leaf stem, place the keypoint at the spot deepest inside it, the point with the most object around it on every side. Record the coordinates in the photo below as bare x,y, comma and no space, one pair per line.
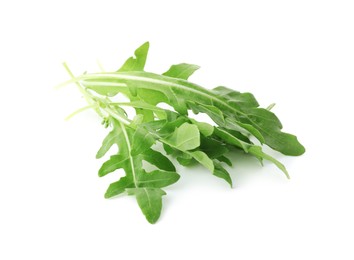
79,111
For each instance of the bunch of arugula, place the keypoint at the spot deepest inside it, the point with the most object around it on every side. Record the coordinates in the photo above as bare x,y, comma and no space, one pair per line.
240,124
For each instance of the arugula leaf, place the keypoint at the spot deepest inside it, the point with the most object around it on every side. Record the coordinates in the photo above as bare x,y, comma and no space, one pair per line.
150,201
138,62
220,172
184,138
241,124
134,147
181,71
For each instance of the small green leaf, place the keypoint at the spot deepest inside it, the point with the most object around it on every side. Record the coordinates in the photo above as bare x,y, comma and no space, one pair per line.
257,151
225,160
214,112
185,159
184,138
111,139
212,147
230,139
157,179
204,128
168,149
159,160
203,159
220,172
150,201
115,162
181,71
240,100
136,63
118,187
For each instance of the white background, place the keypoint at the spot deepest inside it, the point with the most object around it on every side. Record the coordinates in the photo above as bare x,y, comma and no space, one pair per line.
299,54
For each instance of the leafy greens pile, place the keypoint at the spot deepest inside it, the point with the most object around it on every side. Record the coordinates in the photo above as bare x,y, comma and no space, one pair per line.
240,124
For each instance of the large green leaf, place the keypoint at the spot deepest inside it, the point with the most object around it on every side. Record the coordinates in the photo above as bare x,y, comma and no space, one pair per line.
176,89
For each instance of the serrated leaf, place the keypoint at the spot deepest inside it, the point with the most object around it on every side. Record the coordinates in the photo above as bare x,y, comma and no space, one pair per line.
142,140
136,63
220,172
269,126
118,187
157,179
213,112
240,100
181,71
111,139
150,202
118,161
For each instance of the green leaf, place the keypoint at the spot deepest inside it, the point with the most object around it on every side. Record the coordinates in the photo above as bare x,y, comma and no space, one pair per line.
118,187
168,149
118,161
111,139
225,160
159,160
142,140
269,126
181,71
150,202
213,112
136,63
185,159
186,137
152,96
203,159
220,172
257,151
157,179
204,128
212,147
230,139
243,129
172,124
236,98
